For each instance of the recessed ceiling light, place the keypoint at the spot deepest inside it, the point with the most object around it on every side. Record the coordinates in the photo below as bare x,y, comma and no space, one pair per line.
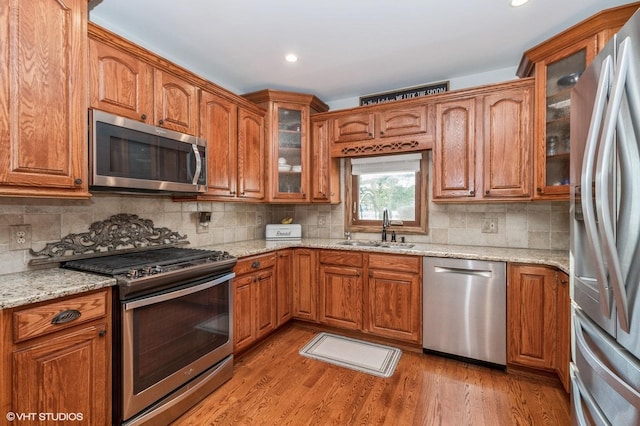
516,3
291,58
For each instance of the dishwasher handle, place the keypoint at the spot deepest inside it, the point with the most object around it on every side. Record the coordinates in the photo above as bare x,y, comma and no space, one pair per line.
463,271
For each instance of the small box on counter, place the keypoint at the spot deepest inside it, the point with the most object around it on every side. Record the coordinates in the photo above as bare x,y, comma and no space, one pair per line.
282,232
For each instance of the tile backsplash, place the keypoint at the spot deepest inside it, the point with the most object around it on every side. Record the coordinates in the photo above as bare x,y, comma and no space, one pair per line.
520,225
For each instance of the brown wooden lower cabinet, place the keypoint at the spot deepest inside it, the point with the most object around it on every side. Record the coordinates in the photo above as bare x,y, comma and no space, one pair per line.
254,300
538,312
284,292
340,288
59,368
376,293
394,297
305,284
563,350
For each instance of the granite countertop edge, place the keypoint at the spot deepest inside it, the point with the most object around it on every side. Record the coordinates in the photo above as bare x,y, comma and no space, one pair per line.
24,288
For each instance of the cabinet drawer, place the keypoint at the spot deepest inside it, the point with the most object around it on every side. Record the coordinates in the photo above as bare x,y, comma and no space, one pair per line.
338,257
395,262
254,263
41,320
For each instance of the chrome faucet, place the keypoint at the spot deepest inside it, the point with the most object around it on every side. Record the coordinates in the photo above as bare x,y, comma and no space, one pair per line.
385,224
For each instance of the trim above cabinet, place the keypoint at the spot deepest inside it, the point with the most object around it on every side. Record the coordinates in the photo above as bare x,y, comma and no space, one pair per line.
606,21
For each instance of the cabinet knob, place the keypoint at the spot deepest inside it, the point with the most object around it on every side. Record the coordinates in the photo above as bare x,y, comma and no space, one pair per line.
564,282
102,333
242,193
78,181
472,192
233,192
487,192
255,265
370,134
161,122
143,116
381,133
539,189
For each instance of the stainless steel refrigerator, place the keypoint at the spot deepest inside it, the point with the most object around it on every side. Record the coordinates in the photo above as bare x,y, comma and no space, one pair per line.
605,235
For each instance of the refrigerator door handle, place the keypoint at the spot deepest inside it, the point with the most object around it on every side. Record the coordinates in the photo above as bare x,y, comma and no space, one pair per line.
604,184
594,360
586,182
580,394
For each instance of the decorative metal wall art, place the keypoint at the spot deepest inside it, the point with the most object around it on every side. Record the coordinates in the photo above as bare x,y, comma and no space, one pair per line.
119,232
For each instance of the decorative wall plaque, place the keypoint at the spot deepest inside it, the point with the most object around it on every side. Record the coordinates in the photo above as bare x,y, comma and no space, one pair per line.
122,232
409,93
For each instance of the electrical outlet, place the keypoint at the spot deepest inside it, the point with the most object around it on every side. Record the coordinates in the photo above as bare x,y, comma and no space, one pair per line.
322,220
490,225
20,238
259,219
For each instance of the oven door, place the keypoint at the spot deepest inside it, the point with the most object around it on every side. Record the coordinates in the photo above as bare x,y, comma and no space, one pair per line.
168,339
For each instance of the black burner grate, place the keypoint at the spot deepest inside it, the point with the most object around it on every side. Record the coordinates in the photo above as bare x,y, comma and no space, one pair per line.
121,263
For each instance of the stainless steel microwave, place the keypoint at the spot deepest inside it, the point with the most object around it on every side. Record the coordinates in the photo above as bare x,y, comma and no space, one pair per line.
130,156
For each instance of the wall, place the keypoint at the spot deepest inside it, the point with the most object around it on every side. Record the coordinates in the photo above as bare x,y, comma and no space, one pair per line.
520,225
455,83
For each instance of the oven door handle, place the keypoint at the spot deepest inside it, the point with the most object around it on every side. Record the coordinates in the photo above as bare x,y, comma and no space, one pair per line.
178,293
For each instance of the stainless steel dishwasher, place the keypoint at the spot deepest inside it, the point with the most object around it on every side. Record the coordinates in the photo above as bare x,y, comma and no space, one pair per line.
465,309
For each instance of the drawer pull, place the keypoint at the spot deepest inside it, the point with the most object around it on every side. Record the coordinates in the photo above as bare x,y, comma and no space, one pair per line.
255,265
66,316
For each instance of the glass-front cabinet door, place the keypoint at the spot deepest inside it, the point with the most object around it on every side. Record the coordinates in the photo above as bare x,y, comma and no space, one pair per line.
290,174
558,74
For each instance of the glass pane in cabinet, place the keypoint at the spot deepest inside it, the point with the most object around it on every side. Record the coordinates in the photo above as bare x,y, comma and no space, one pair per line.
562,75
289,150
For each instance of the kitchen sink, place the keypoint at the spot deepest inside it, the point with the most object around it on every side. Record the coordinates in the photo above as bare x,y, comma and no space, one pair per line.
381,244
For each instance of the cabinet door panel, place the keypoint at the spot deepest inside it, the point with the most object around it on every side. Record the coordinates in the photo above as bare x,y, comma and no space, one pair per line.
394,305
176,103
305,284
341,296
353,127
531,301
284,296
243,312
43,96
251,155
402,121
454,149
120,83
265,300
507,144
67,374
325,178
219,127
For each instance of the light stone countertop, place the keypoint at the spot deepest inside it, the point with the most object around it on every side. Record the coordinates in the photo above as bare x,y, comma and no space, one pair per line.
24,288
555,258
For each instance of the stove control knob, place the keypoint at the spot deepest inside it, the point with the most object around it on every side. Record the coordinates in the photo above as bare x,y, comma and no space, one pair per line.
133,273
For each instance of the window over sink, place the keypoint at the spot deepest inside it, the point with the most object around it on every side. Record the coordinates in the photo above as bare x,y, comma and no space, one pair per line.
395,182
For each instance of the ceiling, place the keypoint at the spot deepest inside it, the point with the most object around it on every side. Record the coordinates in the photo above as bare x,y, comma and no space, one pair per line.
346,48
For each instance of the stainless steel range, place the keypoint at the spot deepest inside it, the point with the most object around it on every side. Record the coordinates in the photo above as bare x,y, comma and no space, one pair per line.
173,329
173,315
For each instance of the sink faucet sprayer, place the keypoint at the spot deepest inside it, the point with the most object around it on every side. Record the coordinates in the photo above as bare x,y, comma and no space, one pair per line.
385,223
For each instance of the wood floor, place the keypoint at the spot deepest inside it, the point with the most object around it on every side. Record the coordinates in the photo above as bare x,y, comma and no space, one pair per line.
274,385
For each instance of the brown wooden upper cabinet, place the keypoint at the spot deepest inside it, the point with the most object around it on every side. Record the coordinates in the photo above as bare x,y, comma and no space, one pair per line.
289,170
381,129
124,84
557,64
482,145
235,149
43,97
325,182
